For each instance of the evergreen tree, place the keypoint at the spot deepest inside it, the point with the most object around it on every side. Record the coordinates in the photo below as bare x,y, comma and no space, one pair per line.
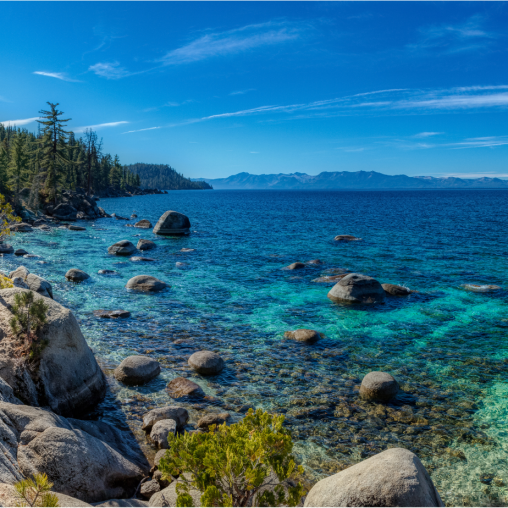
4,167
18,165
53,147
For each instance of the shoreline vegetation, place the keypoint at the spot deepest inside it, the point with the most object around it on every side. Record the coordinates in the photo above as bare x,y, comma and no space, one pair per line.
43,394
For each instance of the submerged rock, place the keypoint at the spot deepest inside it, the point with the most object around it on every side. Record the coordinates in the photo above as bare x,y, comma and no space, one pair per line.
141,258
295,266
357,288
346,238
315,262
172,223
112,313
137,370
303,335
187,250
21,227
146,245
91,461
481,288
160,432
146,283
329,279
20,252
379,387
182,387
68,378
395,290
395,477
107,272
5,248
178,414
206,363
144,224
122,248
76,275
76,228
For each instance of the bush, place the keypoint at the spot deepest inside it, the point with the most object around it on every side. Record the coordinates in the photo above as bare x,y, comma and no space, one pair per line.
5,282
36,492
240,465
6,217
29,315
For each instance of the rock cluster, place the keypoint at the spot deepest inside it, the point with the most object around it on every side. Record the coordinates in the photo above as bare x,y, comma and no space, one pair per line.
75,205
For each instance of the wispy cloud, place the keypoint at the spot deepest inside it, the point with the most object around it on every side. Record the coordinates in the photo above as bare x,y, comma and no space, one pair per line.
427,134
18,123
99,126
469,35
232,42
3,99
141,130
484,142
110,70
58,75
253,152
167,105
242,92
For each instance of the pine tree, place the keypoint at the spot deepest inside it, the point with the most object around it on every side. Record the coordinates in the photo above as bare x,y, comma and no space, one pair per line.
115,174
18,165
4,167
53,145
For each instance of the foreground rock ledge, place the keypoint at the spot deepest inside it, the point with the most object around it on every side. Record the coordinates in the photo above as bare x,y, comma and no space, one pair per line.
68,378
357,288
395,477
172,223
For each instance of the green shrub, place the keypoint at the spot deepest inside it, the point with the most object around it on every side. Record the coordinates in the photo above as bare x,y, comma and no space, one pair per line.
240,465
36,492
29,315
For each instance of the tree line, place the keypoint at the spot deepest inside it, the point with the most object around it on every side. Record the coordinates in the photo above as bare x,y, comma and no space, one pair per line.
42,164
162,176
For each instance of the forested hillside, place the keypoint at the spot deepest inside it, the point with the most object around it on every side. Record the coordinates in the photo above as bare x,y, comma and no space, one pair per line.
40,165
162,176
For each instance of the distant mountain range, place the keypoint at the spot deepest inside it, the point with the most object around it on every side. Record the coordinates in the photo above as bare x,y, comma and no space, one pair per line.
350,180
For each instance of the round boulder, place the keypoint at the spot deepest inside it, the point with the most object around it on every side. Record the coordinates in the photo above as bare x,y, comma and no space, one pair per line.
20,252
76,275
346,238
149,488
206,363
5,248
303,335
379,387
395,290
295,266
137,370
172,223
146,245
122,248
357,288
146,283
178,414
144,224
160,432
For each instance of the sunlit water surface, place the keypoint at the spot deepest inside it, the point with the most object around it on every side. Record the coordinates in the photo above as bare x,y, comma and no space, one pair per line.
446,346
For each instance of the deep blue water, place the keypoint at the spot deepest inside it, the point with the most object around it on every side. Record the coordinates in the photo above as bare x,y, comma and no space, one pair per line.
446,346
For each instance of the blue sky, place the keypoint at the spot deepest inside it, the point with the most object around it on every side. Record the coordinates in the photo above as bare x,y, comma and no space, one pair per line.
214,89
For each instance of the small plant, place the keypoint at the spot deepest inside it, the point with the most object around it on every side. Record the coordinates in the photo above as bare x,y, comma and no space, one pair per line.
5,282
6,217
29,315
36,491
240,465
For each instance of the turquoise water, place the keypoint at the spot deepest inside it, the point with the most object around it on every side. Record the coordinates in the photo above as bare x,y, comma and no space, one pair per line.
446,346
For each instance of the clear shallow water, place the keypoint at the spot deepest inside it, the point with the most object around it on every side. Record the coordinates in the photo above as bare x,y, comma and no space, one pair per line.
446,346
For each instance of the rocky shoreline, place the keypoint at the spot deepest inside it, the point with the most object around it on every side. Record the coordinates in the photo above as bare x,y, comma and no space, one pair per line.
39,404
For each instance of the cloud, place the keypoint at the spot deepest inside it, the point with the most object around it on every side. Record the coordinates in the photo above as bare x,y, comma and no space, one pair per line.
141,130
232,42
57,75
3,99
242,92
167,105
485,142
17,123
110,70
427,134
99,126
470,35
253,152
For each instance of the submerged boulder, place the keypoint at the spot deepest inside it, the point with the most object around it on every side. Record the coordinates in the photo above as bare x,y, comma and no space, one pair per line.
146,283
91,461
379,387
346,238
68,378
122,248
144,224
357,288
206,363
20,252
172,223
146,245
395,290
76,275
183,387
295,266
112,313
137,370
395,477
303,335
5,248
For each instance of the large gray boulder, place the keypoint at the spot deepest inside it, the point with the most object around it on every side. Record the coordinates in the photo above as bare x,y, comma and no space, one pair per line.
91,461
379,387
34,282
144,224
145,283
206,363
178,414
146,245
20,271
303,335
67,378
395,477
122,248
160,432
137,370
76,275
357,288
172,223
